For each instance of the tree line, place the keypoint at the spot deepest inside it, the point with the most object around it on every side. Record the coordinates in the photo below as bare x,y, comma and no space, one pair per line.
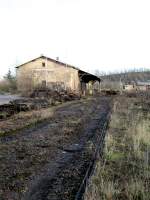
115,80
8,83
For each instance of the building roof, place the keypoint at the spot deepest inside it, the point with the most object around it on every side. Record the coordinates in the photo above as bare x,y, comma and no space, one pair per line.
141,83
85,74
53,60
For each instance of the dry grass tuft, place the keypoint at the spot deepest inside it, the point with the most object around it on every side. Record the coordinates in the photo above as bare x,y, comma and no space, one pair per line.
125,172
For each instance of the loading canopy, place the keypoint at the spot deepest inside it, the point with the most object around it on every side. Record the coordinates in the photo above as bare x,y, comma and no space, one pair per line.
87,77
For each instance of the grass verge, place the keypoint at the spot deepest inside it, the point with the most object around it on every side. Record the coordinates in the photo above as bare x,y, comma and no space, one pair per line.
124,173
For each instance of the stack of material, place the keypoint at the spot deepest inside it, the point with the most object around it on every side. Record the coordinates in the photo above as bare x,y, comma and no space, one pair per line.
6,110
42,99
55,95
29,104
18,105
110,92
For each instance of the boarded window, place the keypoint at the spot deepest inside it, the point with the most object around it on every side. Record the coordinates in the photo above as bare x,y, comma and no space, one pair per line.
57,86
43,84
43,64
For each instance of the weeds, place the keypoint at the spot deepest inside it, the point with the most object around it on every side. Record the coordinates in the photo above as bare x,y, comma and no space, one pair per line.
125,171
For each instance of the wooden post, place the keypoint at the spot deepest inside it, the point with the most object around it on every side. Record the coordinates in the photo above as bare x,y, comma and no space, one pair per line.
91,87
99,87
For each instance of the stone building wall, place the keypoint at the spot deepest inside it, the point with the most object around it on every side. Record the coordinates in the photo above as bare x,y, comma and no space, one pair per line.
42,72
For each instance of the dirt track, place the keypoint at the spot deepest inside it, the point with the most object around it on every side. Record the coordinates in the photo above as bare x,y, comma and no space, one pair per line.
48,162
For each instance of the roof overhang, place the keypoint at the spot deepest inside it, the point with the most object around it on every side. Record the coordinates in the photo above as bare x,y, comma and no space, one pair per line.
87,77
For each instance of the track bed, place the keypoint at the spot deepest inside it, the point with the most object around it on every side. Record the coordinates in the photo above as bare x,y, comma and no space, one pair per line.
49,161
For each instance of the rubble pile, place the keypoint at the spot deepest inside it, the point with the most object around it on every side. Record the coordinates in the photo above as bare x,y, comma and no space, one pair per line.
18,105
29,104
40,99
54,95
110,92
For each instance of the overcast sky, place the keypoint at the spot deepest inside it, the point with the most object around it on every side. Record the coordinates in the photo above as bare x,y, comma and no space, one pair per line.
91,34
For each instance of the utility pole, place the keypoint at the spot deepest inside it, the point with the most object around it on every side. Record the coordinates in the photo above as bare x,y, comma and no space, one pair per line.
120,86
46,72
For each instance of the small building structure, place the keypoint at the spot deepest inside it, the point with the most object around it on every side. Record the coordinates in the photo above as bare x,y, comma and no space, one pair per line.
44,72
129,87
143,86
137,86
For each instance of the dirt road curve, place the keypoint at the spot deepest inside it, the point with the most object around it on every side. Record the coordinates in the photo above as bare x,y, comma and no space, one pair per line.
48,162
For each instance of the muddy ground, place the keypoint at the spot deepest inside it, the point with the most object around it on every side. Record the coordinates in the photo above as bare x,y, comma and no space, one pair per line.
48,161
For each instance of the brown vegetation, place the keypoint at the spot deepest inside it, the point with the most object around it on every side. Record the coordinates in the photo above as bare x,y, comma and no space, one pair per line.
125,171
8,83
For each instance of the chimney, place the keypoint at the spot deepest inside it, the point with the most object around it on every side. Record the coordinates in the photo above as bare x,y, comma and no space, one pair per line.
57,58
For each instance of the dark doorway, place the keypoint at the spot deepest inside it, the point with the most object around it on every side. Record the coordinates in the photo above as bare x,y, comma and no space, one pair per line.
44,84
83,88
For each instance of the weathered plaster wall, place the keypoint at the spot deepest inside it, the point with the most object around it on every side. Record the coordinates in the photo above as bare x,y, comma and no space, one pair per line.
129,87
31,75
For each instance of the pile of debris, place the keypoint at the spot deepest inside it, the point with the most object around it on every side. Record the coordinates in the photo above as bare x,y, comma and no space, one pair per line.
6,110
142,94
60,96
18,105
110,92
40,99
29,104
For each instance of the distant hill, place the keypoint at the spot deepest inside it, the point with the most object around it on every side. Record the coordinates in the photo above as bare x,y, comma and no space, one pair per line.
115,81
127,76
